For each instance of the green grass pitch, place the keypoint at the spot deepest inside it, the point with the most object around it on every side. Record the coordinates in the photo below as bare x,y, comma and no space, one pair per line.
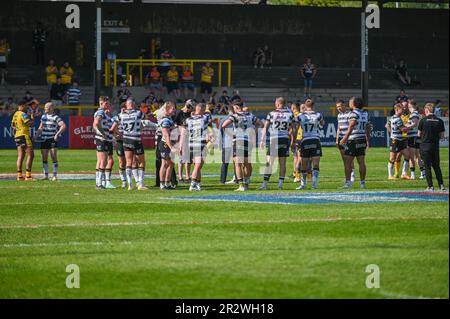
142,245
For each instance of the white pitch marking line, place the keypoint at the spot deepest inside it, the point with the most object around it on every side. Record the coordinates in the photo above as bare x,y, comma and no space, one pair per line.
95,243
306,220
402,296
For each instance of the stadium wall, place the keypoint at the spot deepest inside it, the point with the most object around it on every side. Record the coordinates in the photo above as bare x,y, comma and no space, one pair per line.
330,35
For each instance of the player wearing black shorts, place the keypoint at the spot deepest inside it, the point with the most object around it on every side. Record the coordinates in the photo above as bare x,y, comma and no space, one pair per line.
120,152
49,131
413,139
311,123
356,141
167,145
342,123
243,125
101,128
279,126
110,159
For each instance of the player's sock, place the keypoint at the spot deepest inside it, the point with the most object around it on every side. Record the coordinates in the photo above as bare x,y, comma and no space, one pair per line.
135,175
123,175
405,167
162,184
45,166
103,177
413,172
304,177
19,174
353,174
141,172
28,173
281,182
97,178
315,177
108,175
246,180
390,169
129,176
397,167
55,169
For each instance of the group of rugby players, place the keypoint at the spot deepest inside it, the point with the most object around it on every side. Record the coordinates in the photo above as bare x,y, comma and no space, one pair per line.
188,136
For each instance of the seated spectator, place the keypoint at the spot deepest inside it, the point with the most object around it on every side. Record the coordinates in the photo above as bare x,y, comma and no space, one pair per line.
224,102
172,85
10,106
259,58
52,73
28,98
66,74
212,99
401,71
57,92
268,56
123,93
154,80
402,97
210,108
73,96
206,80
187,83
150,98
235,97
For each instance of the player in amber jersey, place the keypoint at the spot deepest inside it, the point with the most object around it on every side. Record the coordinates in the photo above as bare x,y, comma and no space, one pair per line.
21,123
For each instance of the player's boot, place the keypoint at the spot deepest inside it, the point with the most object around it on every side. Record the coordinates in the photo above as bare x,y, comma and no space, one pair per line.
240,189
54,179
142,188
442,188
20,178
99,187
362,184
108,185
429,189
347,185
406,177
130,187
29,178
124,184
301,187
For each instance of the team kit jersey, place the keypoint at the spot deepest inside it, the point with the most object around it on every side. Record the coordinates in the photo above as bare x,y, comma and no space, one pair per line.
104,143
50,125
131,121
357,141
119,138
244,137
20,122
163,147
342,121
197,126
280,122
310,123
398,140
413,138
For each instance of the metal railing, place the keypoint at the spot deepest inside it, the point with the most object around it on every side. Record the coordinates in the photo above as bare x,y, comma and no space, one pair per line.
386,109
141,63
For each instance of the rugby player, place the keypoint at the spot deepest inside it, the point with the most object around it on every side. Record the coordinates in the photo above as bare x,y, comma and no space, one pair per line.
295,109
279,125
398,142
21,123
50,129
131,121
118,136
356,141
198,137
101,127
244,139
180,120
342,121
110,159
167,145
413,138
310,148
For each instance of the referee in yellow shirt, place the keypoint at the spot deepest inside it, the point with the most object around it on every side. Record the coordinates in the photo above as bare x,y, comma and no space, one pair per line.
21,123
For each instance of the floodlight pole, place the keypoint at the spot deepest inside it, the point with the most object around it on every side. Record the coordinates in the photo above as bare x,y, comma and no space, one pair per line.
98,50
364,55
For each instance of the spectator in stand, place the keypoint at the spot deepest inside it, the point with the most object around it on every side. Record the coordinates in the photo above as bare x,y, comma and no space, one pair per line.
66,74
73,96
401,71
10,106
259,58
187,83
28,98
206,80
165,66
224,103
212,98
154,80
4,55
402,97
150,98
123,93
57,92
268,54
52,73
39,40
235,97
308,73
173,77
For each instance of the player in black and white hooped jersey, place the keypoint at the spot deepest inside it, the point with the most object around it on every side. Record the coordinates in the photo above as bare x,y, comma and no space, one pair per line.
132,122
49,132
110,159
120,152
311,123
342,128
198,137
279,126
101,127
398,140
242,126
167,146
413,139
356,141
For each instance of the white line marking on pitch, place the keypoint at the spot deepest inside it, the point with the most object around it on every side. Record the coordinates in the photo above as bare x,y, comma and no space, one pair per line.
305,220
95,243
402,296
